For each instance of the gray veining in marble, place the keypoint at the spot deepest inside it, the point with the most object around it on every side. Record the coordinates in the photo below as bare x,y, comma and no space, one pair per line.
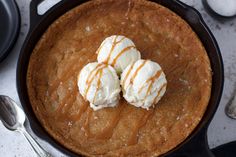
222,129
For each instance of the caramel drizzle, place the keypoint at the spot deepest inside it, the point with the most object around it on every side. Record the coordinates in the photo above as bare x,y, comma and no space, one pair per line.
66,75
126,76
56,83
98,84
92,77
112,48
143,120
82,109
163,86
68,99
151,80
92,72
121,52
106,132
71,96
86,123
136,72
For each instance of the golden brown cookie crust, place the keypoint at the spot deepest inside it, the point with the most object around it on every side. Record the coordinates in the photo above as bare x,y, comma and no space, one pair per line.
70,43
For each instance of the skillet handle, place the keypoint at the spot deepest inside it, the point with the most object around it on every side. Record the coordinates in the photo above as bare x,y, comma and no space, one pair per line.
34,16
196,147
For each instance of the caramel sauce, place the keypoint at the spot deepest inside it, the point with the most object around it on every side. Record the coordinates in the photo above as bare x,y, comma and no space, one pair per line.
98,84
62,104
151,80
82,109
89,81
142,122
90,74
137,70
121,52
148,90
121,40
163,86
68,99
53,96
66,75
112,48
86,123
126,76
62,116
108,131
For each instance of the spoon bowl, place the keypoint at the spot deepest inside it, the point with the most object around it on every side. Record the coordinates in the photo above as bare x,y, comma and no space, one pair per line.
13,118
230,108
11,115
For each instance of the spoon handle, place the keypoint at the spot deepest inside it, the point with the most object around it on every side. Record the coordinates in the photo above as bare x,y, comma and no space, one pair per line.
230,108
37,148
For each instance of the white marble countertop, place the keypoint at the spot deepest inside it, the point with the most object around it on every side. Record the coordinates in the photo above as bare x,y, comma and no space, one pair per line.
221,130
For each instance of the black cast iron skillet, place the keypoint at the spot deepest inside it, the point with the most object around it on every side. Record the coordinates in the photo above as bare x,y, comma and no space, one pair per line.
196,144
9,26
227,150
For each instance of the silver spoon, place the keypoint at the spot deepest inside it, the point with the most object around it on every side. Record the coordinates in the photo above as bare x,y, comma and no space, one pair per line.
230,108
13,118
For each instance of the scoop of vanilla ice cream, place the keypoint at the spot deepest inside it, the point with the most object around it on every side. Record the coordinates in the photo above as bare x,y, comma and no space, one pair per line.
143,83
118,51
100,85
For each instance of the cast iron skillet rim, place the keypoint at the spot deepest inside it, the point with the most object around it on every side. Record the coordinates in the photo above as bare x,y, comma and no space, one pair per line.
214,41
21,61
16,20
205,121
